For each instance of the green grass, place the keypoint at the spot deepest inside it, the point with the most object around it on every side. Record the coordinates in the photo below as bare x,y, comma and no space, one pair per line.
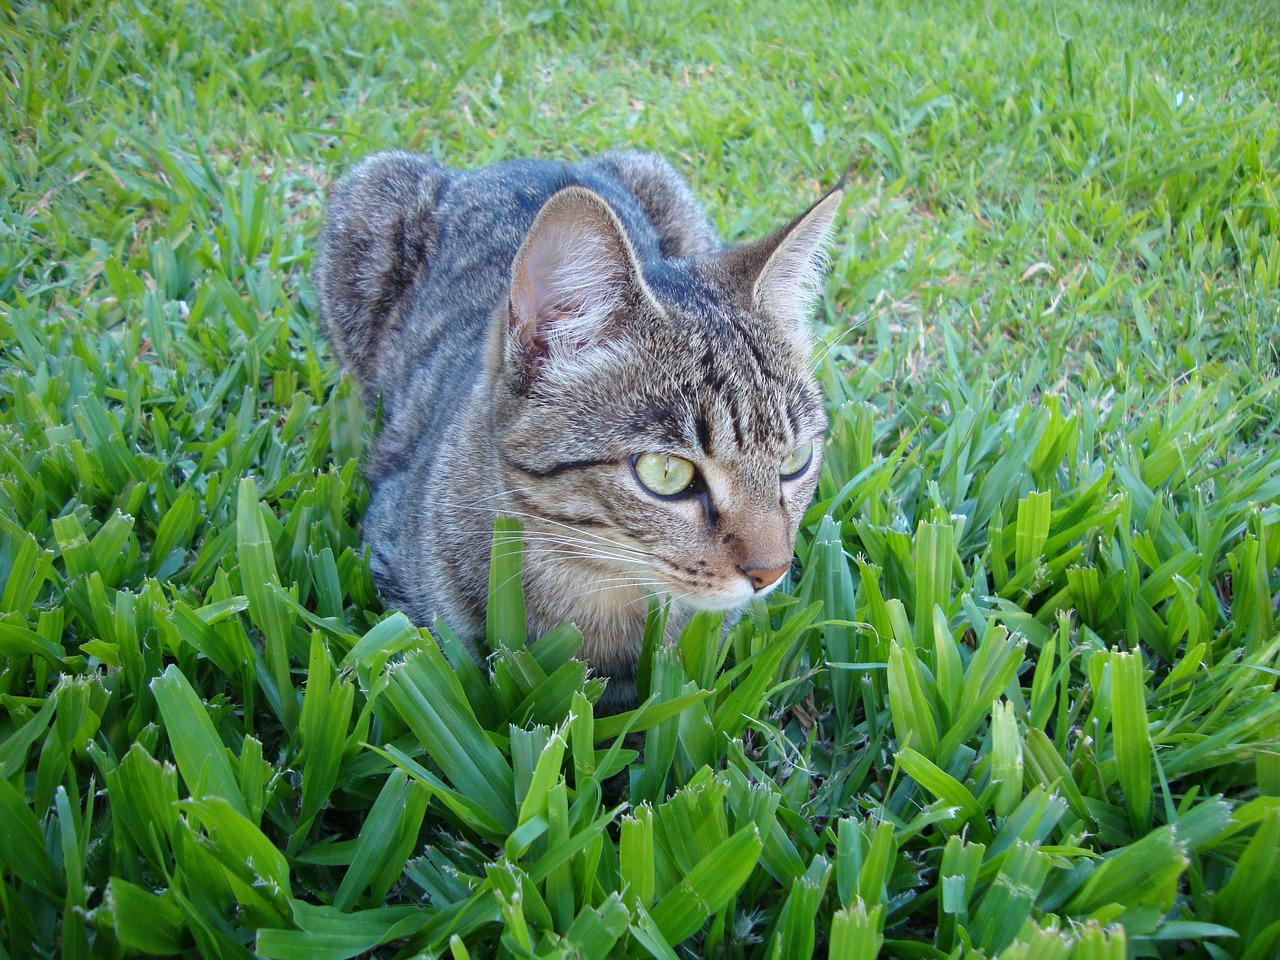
1022,700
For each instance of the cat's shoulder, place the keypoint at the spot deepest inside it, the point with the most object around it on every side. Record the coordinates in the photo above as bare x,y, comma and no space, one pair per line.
652,199
665,198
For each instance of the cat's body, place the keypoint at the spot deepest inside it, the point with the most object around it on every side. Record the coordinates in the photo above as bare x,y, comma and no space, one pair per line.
524,371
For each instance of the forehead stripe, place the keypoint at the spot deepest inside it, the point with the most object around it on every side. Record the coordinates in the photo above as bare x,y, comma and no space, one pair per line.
703,430
555,469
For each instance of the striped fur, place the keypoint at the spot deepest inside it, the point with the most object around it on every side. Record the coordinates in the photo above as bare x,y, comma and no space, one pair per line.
529,327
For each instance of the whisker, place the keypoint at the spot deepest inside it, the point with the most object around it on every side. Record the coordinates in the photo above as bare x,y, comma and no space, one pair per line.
553,546
559,541
854,325
649,589
533,516
673,597
621,582
581,555
555,538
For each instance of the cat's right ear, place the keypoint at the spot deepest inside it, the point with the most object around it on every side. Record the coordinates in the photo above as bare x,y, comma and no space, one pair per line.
782,274
571,278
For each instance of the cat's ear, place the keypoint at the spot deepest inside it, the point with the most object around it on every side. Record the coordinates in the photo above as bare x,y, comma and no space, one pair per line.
571,278
783,272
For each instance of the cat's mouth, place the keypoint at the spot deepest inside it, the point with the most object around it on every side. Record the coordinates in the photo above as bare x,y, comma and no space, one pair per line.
616,573
714,596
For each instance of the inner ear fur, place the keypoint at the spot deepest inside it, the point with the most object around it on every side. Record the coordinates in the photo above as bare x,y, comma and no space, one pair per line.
782,274
573,275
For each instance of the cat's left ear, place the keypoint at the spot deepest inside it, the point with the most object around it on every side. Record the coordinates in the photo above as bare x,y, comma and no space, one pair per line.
572,278
783,272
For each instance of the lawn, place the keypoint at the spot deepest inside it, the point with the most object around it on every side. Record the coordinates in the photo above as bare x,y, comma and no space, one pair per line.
1019,698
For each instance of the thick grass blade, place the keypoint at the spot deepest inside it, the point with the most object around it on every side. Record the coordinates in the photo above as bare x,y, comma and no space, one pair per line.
1006,758
326,714
202,759
595,930
913,718
505,620
427,695
1246,903
385,839
1132,741
1144,874
636,855
142,921
855,932
794,935
839,600
934,560
258,577
709,886
944,787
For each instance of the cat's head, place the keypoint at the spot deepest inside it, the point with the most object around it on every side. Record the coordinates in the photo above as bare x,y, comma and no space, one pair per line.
662,418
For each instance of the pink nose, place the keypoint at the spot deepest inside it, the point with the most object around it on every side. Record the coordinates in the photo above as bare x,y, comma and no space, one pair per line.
762,577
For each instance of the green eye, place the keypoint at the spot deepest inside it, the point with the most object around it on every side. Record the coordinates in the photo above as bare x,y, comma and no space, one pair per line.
796,461
666,476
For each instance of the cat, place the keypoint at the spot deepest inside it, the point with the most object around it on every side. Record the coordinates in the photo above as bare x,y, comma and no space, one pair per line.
573,345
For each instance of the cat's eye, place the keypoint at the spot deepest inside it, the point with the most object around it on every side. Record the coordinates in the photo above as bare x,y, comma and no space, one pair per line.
664,475
796,461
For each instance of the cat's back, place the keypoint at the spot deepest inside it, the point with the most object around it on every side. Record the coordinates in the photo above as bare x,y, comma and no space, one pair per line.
414,256
484,214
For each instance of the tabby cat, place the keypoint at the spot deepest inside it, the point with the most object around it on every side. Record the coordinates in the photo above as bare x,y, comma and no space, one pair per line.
573,345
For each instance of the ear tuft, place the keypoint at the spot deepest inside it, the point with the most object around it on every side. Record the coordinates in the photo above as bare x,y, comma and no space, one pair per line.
571,276
790,282
781,275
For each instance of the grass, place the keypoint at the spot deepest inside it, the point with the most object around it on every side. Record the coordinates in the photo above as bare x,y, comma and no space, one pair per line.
1020,702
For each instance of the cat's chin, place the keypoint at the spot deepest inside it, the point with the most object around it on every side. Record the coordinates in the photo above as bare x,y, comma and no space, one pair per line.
726,600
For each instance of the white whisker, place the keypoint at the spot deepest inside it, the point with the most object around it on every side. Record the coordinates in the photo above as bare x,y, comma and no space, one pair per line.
496,511
855,325
649,589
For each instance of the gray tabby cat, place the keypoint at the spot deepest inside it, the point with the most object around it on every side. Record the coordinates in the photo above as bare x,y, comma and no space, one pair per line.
573,345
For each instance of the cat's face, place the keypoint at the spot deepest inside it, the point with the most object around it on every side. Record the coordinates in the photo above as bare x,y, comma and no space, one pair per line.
664,428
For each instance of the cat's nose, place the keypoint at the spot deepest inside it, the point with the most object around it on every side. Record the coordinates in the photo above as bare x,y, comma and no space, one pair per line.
762,577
